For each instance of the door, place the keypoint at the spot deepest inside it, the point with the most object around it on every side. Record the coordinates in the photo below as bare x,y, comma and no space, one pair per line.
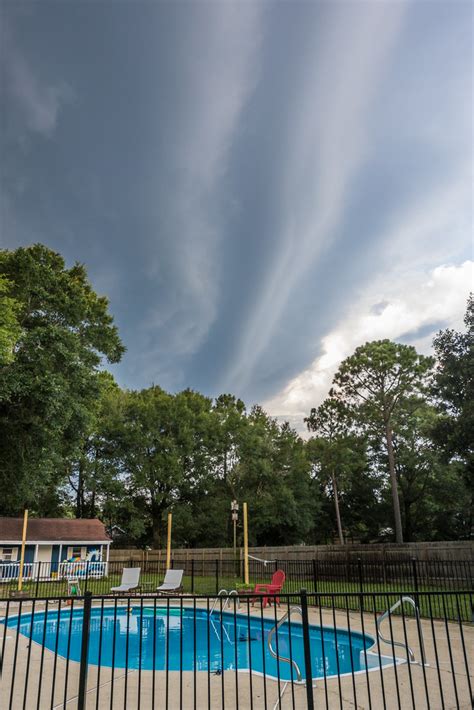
45,553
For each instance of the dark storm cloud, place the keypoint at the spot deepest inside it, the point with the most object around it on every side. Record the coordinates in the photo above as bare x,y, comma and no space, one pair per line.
232,174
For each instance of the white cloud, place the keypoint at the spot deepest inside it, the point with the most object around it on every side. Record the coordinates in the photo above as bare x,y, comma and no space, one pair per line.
403,306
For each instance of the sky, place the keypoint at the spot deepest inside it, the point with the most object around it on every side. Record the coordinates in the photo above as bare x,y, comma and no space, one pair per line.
257,187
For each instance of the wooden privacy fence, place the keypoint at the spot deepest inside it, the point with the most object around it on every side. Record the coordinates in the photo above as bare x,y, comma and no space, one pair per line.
451,551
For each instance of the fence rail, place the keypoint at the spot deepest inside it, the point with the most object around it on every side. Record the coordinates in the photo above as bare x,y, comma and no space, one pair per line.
97,652
209,576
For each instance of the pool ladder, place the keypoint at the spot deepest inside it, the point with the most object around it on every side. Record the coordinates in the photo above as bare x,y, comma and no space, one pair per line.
405,646
223,592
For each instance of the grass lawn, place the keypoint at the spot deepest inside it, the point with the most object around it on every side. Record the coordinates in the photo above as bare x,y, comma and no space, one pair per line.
451,605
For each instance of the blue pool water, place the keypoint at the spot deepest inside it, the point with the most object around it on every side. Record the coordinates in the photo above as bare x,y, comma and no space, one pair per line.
186,639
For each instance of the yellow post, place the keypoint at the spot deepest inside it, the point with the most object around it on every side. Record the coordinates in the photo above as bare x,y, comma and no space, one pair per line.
168,548
246,546
22,558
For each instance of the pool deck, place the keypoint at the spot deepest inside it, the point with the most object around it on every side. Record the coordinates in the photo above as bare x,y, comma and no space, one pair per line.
404,686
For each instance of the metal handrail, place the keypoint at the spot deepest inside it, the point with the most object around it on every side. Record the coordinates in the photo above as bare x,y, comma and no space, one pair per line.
273,653
222,592
233,592
391,642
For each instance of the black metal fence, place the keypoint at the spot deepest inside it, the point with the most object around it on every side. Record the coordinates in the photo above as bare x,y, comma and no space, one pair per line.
209,576
301,651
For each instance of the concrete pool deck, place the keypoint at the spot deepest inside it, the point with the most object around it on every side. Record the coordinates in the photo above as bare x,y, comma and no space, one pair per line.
400,684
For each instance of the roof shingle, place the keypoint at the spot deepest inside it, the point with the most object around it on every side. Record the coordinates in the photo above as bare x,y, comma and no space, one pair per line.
54,529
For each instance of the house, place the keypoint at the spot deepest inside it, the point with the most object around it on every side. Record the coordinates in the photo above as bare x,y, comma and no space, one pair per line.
51,545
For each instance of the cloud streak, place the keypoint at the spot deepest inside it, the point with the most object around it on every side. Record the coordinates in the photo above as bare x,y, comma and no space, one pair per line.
216,80
326,143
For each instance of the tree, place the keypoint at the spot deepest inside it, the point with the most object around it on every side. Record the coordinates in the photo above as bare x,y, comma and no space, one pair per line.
329,447
49,390
273,475
229,424
162,452
373,382
91,471
417,464
454,393
338,456
9,326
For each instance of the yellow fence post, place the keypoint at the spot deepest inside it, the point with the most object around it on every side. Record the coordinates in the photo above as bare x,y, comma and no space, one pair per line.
246,546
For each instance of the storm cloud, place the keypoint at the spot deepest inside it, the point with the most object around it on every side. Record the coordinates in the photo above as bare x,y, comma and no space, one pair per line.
240,177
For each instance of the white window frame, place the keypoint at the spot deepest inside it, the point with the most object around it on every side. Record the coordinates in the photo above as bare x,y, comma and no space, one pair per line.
8,554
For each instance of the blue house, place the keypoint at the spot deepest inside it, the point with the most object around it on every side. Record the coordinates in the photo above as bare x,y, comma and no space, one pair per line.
52,543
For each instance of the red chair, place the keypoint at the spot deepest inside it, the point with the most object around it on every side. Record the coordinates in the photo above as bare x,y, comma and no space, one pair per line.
275,586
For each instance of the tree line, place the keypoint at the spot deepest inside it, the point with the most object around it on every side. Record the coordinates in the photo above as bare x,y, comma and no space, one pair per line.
390,456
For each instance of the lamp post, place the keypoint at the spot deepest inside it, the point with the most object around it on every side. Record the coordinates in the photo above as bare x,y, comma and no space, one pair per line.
234,506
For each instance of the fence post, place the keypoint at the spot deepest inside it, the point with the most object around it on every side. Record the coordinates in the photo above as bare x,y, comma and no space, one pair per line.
315,577
217,575
83,668
192,576
87,576
307,650
415,580
361,583
38,577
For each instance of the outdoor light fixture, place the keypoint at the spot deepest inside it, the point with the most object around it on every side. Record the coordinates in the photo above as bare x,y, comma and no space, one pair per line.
234,506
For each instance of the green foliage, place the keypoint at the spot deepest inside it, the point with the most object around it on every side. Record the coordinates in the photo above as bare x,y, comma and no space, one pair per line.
377,376
161,447
453,389
48,391
339,462
9,326
389,435
373,383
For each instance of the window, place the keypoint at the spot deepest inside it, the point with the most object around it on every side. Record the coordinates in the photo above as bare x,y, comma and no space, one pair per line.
8,554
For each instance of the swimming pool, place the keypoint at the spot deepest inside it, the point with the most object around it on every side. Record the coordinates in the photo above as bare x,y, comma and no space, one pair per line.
183,638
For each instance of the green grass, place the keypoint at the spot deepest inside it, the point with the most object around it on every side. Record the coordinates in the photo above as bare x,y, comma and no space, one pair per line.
451,605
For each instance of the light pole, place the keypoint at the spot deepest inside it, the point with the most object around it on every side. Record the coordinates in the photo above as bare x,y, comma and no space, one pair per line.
234,506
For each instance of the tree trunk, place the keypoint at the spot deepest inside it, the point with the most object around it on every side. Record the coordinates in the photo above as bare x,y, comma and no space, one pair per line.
156,524
156,533
80,490
408,521
393,479
92,509
338,513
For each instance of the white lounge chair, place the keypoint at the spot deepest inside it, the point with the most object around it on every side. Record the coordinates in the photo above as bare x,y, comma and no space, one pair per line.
130,580
172,583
